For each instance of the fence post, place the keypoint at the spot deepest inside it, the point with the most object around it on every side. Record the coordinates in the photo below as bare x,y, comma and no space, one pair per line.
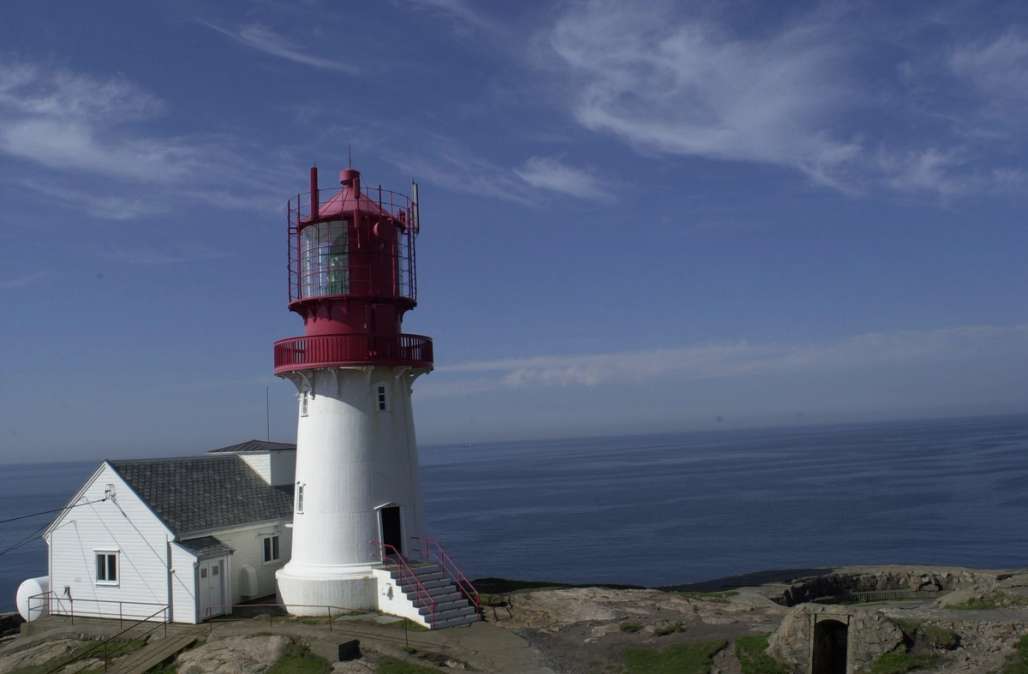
121,617
329,618
71,603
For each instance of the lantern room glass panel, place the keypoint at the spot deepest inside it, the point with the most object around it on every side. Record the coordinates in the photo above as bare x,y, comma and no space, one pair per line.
324,258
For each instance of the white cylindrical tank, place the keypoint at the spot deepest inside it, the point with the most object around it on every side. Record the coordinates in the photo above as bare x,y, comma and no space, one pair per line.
29,589
353,459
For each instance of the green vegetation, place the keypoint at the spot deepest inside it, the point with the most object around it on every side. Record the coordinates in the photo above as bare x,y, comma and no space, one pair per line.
752,654
899,663
665,629
991,601
630,627
692,658
714,597
928,637
298,659
394,666
1018,662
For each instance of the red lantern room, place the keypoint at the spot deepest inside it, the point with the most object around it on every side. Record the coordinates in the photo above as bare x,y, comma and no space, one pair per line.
352,277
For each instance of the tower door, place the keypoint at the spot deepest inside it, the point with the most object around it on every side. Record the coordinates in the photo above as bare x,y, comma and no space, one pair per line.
391,531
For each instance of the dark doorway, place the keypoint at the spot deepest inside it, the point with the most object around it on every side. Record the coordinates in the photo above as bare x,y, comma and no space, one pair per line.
391,533
830,643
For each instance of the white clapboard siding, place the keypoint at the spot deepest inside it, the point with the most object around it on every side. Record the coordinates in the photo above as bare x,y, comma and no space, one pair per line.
183,585
247,544
123,524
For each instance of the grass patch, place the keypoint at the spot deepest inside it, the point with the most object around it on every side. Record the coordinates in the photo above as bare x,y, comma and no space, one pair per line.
899,663
1018,662
752,653
630,628
394,666
665,629
298,659
721,597
694,658
931,637
991,601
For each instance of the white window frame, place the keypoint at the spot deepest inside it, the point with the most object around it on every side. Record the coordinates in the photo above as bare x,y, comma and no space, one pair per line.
107,552
269,546
382,397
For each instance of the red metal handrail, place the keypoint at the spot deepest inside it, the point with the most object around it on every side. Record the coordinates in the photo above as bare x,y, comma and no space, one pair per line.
421,593
301,353
452,570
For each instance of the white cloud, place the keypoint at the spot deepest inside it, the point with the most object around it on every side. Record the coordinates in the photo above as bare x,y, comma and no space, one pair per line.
554,175
23,281
72,122
997,68
147,254
688,87
732,360
264,39
447,163
458,9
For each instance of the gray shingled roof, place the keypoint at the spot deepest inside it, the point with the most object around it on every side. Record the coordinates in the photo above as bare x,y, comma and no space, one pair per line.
254,446
206,547
193,494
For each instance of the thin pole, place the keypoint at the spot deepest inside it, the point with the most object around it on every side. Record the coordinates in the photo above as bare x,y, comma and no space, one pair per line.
267,411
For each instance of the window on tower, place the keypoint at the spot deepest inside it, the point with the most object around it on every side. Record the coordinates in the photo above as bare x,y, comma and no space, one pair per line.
299,498
383,403
324,258
303,404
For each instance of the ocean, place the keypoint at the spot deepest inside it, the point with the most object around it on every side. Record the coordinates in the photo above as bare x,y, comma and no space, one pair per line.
680,508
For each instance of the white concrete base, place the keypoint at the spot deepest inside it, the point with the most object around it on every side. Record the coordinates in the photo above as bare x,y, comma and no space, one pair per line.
392,600
311,592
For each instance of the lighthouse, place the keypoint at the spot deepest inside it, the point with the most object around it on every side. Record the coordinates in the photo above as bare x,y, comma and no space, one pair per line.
358,539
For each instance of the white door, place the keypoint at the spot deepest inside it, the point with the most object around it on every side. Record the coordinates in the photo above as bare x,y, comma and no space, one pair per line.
211,588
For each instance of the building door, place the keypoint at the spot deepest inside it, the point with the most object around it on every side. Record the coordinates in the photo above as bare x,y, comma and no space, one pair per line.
391,532
211,588
831,639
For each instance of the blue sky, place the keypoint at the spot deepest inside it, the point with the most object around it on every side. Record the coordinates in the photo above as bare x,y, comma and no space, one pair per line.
636,218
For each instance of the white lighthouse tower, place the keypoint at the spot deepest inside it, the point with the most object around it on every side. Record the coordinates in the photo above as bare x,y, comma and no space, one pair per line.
357,539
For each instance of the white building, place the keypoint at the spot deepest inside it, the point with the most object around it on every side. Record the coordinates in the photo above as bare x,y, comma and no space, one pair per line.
191,536
187,539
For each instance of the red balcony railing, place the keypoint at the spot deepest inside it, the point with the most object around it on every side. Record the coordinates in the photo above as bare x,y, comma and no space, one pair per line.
304,353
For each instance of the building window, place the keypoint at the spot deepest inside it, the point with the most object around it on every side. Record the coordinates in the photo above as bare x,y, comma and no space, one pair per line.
299,498
383,403
303,404
107,568
270,549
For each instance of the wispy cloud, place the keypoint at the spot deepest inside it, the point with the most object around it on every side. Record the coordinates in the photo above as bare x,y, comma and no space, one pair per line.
458,9
264,39
998,68
554,175
685,86
149,254
104,206
737,359
449,164
24,281
71,122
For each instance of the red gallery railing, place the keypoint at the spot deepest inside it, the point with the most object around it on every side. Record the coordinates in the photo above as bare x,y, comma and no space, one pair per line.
302,353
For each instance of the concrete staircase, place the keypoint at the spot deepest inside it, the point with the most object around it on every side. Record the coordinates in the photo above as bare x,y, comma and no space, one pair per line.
452,607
